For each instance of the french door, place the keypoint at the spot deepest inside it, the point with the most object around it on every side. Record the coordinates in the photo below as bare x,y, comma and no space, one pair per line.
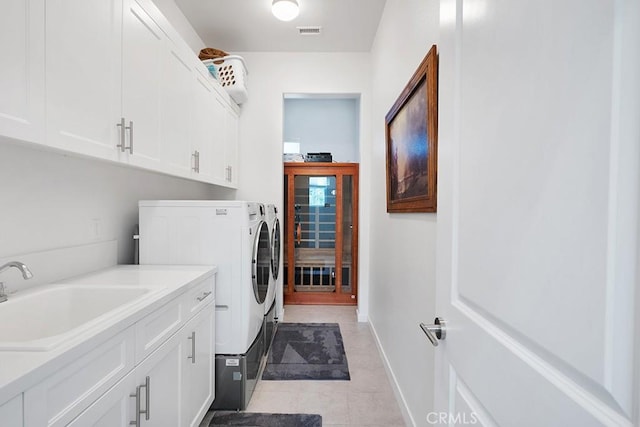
321,233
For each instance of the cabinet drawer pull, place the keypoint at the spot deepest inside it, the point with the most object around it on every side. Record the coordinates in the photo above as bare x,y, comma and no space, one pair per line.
193,347
203,296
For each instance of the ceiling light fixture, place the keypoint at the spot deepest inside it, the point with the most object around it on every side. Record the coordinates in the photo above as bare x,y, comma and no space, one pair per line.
285,10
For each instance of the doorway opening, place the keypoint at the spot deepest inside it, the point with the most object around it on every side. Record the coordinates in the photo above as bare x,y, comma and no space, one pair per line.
321,199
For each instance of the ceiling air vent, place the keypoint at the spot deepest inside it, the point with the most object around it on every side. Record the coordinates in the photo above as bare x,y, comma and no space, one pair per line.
309,31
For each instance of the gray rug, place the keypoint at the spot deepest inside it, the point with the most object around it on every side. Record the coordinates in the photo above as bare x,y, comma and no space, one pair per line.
233,418
307,351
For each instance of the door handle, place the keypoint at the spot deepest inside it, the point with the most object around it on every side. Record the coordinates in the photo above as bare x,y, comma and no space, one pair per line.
436,331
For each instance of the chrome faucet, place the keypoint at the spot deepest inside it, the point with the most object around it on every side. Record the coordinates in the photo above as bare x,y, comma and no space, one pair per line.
26,274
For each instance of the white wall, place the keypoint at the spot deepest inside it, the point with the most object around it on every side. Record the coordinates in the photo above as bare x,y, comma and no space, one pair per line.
324,125
51,200
174,15
273,74
402,292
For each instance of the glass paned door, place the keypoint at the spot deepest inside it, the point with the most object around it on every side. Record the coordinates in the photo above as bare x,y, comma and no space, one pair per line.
320,240
314,233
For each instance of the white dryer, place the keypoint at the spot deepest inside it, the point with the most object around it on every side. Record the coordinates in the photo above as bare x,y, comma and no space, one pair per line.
271,313
234,236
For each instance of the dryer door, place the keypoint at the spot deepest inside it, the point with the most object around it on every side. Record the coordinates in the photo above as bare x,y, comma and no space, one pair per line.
260,262
275,249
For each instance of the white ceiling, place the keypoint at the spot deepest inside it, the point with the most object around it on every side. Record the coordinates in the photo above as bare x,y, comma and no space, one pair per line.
249,26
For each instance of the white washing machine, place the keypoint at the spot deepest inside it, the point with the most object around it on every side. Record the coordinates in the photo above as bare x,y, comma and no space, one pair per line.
271,313
275,240
234,236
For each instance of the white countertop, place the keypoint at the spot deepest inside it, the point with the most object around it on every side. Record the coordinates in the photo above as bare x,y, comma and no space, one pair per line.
20,370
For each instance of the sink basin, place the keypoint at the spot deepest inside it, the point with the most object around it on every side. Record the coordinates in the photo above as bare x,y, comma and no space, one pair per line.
44,318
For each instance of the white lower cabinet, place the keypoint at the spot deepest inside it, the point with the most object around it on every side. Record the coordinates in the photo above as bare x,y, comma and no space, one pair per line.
198,364
157,372
11,412
159,386
170,388
59,398
147,396
112,409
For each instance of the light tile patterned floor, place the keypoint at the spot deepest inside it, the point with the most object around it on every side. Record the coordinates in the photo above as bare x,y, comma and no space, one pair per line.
366,400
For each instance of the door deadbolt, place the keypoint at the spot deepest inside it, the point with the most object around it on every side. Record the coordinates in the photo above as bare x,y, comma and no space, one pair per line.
436,331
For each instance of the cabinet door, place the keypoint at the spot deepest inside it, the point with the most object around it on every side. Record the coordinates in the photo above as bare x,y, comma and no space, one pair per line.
83,68
199,371
144,46
113,409
21,69
177,112
231,146
209,132
159,378
11,412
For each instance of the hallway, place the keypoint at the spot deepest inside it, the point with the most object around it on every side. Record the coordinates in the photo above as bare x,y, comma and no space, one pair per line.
366,400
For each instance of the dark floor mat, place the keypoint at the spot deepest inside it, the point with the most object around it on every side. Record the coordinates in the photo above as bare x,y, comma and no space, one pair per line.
250,419
307,351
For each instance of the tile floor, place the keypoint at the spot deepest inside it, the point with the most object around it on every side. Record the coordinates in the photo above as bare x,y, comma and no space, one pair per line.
366,400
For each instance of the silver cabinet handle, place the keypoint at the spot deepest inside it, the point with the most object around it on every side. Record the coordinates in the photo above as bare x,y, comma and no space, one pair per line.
147,409
123,136
139,410
198,160
203,296
435,332
195,161
230,173
137,396
130,137
193,347
122,127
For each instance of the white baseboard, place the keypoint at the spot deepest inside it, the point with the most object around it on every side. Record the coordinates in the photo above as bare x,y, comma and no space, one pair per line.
404,408
362,317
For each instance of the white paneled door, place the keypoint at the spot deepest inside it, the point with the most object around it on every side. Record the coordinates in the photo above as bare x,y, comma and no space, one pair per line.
143,56
538,213
21,69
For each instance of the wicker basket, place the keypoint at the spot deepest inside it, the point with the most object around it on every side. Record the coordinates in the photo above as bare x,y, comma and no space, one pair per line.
211,53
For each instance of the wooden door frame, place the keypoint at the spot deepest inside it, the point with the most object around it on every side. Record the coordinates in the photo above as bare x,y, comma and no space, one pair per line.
339,170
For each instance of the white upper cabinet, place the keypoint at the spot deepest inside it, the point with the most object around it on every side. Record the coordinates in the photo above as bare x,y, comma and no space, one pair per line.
115,82
21,64
231,146
177,108
83,74
144,46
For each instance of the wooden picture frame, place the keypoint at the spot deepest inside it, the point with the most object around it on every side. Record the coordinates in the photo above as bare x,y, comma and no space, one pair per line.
411,142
